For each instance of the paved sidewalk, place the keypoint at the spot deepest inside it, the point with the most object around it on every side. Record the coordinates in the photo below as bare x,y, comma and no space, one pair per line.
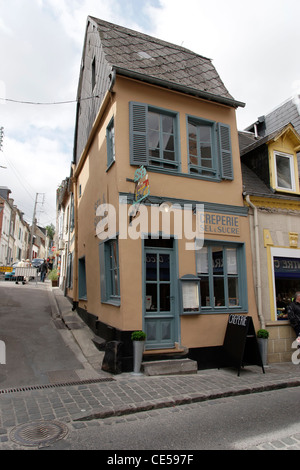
104,395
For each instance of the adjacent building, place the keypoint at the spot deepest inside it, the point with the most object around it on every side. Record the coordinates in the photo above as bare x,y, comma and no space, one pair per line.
15,233
269,150
5,226
14,230
64,233
159,235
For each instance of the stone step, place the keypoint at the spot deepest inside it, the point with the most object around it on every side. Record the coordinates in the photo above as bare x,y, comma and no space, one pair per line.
170,367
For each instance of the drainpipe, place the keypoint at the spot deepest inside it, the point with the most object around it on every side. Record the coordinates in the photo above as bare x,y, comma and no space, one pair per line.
257,257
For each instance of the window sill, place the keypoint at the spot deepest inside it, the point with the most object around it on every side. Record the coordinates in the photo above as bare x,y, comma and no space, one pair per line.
184,175
237,310
293,192
115,303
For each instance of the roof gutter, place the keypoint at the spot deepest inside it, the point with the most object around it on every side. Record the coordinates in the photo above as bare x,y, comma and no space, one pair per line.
181,88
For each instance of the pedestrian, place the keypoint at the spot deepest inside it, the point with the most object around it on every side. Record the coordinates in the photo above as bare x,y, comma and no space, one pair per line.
21,264
44,270
27,265
293,312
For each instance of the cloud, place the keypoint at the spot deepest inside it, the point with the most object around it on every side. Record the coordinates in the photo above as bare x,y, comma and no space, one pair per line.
34,166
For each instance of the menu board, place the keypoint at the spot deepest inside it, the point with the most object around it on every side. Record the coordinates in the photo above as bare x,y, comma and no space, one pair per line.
240,343
190,294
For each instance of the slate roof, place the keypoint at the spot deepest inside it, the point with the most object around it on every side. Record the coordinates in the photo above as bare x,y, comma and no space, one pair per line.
254,186
248,141
133,52
287,112
253,143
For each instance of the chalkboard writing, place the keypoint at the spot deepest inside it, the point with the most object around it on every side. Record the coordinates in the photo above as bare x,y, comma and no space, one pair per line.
238,320
240,344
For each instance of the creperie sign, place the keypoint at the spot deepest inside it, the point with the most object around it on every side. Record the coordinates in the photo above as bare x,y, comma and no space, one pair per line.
221,224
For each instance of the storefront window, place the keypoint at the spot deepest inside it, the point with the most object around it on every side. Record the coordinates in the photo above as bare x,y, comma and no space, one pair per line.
287,282
221,269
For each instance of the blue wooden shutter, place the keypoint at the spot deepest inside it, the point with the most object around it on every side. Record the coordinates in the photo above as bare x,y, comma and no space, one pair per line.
225,151
138,134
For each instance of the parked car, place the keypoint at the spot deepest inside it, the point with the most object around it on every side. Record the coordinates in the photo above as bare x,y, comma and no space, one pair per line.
10,275
37,263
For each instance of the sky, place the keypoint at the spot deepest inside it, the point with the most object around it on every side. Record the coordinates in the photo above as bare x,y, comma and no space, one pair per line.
253,45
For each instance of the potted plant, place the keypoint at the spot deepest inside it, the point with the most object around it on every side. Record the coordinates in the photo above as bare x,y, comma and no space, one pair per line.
53,277
138,338
262,339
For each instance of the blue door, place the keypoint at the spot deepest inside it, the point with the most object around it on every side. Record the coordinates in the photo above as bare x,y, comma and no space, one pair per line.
160,298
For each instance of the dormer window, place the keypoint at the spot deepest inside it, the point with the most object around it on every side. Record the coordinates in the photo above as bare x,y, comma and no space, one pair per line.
284,171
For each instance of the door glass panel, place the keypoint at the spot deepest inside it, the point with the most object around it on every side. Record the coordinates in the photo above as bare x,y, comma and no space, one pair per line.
164,297
151,267
151,297
164,267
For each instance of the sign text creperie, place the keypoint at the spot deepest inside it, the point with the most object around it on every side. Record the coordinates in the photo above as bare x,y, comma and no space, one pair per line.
220,224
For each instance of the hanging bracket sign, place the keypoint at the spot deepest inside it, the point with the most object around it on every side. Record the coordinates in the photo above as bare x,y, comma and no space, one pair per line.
141,185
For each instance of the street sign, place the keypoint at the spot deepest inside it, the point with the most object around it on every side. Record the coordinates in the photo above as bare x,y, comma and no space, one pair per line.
6,269
53,248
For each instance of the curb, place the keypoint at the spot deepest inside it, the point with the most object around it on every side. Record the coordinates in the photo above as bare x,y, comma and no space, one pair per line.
185,400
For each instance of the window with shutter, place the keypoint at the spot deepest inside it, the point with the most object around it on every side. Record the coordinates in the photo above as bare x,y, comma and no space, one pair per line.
110,143
109,271
209,149
153,137
225,151
138,134
203,158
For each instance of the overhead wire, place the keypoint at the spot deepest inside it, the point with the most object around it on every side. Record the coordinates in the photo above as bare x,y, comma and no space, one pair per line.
22,180
37,103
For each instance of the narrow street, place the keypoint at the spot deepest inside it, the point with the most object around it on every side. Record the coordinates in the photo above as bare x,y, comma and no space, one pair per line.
37,350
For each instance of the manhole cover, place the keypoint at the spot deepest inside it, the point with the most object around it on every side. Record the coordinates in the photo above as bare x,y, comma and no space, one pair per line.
38,433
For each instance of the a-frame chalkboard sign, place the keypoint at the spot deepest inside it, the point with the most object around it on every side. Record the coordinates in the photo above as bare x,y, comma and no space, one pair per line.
240,345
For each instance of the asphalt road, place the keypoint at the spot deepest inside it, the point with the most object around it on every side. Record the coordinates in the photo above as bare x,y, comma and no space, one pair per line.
36,351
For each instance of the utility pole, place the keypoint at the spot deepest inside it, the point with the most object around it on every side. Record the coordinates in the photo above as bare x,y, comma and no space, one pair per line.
1,142
1,137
